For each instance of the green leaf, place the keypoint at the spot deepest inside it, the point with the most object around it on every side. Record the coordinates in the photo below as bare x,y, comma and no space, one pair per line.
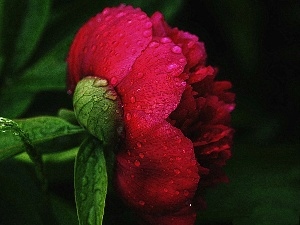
34,22
40,130
90,182
48,73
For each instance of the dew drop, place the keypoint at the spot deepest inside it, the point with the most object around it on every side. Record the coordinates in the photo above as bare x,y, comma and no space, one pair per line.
137,163
105,11
132,99
113,80
172,67
139,144
132,176
186,192
176,192
140,75
176,49
141,155
148,25
179,140
154,44
141,203
178,158
147,33
94,47
120,14
128,116
177,171
165,190
182,60
165,40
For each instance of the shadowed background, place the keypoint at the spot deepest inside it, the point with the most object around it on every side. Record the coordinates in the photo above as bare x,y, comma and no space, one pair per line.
254,44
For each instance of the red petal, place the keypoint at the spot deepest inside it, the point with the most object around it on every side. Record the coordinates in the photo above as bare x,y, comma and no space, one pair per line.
157,172
108,44
153,85
193,50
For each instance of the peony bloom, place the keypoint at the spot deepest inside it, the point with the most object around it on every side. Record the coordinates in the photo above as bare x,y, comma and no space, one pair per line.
177,117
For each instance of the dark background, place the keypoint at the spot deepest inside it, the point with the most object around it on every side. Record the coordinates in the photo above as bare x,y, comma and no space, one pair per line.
255,45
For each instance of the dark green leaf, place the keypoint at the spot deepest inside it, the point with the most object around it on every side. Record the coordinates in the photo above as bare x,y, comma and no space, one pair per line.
39,130
35,19
90,182
55,163
68,115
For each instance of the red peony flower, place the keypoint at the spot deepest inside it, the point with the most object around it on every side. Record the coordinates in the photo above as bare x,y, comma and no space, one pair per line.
177,117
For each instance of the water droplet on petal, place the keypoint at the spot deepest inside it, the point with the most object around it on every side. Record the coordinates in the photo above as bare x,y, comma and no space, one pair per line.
120,14
139,144
132,99
141,155
141,203
177,171
172,67
137,163
148,25
113,80
182,60
153,44
165,40
140,75
128,116
176,49
94,47
143,16
165,190
147,33
176,192
186,192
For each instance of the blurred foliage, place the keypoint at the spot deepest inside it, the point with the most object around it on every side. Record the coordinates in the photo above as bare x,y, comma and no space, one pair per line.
255,44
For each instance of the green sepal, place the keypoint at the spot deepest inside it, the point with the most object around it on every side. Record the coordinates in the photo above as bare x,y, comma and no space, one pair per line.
90,182
98,109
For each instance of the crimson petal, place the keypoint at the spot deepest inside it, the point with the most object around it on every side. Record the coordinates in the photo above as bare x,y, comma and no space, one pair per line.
157,172
108,44
153,85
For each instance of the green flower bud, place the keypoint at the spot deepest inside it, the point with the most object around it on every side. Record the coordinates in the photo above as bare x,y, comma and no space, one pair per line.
98,109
